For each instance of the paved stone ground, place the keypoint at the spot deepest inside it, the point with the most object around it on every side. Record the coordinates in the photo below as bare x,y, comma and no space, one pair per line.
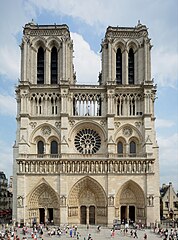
104,234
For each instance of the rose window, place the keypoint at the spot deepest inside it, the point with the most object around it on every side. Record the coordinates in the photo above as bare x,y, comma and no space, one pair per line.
87,141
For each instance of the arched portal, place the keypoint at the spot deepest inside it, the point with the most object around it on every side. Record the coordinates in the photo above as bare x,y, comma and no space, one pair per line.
130,203
43,205
87,203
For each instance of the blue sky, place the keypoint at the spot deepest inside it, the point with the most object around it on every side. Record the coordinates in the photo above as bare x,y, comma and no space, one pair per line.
87,21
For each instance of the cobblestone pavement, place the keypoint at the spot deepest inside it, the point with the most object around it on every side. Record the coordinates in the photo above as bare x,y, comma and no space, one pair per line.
105,233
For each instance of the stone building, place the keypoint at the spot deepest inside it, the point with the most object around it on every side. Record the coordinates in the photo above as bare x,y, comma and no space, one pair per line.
169,202
5,199
85,154
10,186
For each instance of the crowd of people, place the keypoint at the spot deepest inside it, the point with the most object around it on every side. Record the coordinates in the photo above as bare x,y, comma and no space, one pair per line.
38,232
165,234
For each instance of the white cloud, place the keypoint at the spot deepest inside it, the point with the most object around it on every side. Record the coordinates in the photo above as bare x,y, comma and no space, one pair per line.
7,105
169,159
169,144
14,14
10,60
165,70
164,123
86,61
91,12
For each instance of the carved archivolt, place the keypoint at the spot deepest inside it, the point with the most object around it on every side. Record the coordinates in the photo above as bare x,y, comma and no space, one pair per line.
128,130
127,197
46,130
43,196
88,191
130,193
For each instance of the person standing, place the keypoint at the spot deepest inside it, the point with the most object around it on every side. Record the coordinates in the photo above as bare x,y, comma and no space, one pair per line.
145,236
70,232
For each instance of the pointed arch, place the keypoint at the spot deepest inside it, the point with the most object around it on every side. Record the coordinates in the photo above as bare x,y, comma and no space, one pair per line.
130,199
87,193
43,196
133,132
121,147
54,147
43,203
90,184
119,44
38,42
53,42
133,146
39,133
40,147
132,44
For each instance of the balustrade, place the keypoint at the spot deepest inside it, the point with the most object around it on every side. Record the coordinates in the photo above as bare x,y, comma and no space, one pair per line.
85,166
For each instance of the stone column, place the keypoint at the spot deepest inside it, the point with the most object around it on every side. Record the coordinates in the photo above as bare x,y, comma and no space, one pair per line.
88,216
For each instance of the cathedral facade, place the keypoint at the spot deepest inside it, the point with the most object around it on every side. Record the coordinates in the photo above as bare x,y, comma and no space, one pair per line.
85,154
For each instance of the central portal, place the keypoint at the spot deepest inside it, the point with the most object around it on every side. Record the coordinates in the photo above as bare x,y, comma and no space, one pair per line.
45,215
128,213
87,215
87,203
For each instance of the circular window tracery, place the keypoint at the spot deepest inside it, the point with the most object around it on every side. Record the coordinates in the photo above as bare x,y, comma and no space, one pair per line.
87,141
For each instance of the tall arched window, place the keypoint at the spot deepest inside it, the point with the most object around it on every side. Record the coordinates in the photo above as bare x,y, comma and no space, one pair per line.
54,147
120,149
54,61
131,66
119,66
40,66
133,148
40,147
